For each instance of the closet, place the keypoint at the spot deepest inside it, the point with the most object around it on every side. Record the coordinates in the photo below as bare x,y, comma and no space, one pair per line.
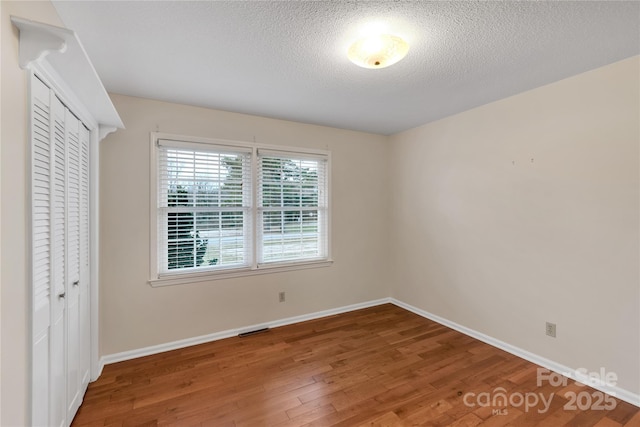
69,113
60,247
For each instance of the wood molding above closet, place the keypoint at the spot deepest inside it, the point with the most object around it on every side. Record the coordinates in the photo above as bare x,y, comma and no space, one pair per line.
60,59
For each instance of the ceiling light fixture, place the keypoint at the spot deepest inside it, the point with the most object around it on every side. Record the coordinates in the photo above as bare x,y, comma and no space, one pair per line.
377,51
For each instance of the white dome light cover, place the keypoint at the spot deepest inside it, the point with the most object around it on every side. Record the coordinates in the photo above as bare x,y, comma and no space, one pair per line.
377,51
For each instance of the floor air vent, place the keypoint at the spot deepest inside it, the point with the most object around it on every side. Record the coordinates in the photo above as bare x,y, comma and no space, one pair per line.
249,333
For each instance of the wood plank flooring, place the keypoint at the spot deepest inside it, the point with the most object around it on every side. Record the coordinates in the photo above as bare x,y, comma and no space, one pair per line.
380,366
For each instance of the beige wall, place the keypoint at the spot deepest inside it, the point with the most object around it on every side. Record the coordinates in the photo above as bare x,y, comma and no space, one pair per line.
14,295
134,315
524,211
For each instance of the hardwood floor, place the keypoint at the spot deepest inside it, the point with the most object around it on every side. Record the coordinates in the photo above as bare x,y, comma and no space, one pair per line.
381,366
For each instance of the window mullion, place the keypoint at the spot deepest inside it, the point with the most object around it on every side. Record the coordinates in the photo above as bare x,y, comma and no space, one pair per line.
255,217
194,197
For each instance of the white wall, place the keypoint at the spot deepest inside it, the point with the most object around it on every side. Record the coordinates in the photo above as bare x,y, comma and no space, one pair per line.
14,293
526,210
135,315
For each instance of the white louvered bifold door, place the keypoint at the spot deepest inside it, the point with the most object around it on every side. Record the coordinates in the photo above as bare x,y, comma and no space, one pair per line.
84,300
60,258
72,133
58,408
41,247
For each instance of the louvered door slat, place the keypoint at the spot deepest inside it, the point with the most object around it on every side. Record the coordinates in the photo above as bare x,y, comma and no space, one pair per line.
41,246
58,410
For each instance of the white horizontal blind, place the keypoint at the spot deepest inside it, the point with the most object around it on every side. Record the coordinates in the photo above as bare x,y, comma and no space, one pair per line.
292,207
204,202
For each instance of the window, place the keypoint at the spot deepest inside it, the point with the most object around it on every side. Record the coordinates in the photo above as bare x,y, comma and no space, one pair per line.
203,209
224,208
291,206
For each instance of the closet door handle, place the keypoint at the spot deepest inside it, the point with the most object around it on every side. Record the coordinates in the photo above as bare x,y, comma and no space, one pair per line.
76,283
62,295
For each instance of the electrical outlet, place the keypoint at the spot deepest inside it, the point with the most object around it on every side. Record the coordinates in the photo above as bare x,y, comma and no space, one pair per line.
281,297
551,329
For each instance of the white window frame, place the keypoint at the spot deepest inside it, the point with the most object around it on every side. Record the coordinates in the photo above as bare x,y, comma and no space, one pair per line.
176,278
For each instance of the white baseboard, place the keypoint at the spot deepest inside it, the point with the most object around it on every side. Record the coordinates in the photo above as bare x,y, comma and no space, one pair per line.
572,373
146,351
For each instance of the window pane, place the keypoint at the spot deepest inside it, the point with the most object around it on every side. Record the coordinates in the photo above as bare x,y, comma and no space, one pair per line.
203,179
205,196
290,197
289,235
185,247
224,233
287,182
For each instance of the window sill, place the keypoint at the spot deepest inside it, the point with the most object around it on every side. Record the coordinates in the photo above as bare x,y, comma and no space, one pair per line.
180,279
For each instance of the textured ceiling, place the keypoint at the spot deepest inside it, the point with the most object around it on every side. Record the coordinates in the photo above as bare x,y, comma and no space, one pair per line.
288,59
